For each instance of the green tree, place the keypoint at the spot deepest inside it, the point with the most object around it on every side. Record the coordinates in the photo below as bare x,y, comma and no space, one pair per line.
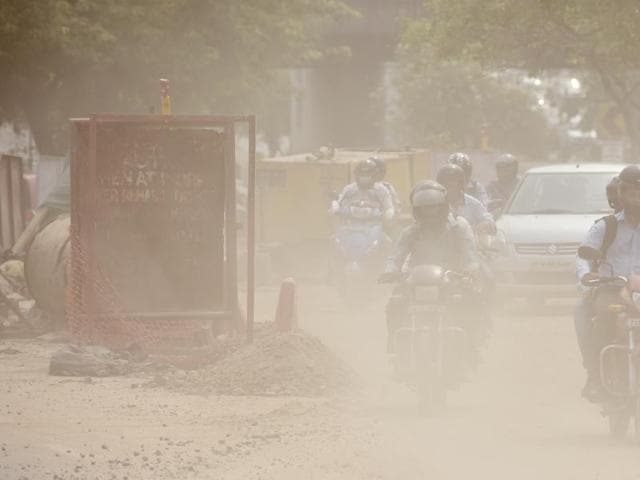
594,36
449,103
69,57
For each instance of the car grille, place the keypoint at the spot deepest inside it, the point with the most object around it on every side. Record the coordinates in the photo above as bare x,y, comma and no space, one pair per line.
547,248
544,278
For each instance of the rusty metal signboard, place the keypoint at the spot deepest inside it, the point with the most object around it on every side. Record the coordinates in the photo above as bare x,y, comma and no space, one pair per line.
153,222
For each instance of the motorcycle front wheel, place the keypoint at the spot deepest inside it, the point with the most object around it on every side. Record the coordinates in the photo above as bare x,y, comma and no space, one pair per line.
432,391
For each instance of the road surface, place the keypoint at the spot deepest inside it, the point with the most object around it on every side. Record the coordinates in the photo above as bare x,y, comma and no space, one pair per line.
519,417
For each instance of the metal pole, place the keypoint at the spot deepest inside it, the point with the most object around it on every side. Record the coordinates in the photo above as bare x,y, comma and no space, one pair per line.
412,170
165,97
231,226
251,228
90,222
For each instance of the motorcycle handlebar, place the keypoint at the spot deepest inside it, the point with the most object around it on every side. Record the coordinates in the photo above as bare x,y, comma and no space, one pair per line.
595,282
401,277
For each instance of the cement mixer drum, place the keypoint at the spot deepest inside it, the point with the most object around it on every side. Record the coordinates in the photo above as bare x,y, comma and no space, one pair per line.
45,265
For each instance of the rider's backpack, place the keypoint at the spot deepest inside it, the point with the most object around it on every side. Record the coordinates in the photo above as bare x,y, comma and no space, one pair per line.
611,229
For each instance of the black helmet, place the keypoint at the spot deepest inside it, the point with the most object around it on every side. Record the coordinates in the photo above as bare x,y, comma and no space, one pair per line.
425,185
365,173
629,188
429,203
381,165
507,161
630,175
452,177
507,167
613,195
463,161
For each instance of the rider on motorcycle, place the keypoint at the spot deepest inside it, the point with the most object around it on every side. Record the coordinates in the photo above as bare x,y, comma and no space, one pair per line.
435,237
506,180
364,191
482,223
462,204
472,187
616,238
380,178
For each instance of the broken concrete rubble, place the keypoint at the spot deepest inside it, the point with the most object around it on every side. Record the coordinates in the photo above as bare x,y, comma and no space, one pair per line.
88,361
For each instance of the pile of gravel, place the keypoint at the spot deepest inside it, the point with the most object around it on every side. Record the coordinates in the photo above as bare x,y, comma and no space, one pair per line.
290,364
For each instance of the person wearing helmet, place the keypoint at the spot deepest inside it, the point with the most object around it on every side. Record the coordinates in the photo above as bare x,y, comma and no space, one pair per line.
500,189
462,204
616,238
364,191
380,178
471,186
435,237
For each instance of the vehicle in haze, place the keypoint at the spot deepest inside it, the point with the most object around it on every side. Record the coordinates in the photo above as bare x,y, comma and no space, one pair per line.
360,246
617,316
544,222
434,349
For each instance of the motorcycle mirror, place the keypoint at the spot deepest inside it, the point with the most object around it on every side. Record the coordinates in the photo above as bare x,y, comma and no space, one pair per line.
589,253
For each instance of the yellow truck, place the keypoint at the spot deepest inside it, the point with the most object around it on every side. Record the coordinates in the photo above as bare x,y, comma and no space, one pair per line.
294,193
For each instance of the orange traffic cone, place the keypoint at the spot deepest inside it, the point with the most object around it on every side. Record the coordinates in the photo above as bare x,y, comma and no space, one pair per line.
287,311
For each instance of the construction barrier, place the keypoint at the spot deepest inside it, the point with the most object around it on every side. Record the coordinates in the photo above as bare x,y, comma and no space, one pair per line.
153,229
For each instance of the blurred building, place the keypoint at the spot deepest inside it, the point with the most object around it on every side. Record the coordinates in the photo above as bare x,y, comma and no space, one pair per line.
343,100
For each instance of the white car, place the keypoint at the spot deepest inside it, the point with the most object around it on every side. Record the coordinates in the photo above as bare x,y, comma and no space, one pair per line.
544,222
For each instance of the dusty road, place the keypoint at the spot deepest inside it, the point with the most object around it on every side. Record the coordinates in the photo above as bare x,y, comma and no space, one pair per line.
520,417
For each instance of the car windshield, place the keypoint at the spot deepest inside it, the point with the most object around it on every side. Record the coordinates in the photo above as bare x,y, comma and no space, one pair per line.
562,193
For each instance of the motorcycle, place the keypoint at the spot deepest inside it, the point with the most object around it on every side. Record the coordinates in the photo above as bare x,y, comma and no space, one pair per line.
435,348
359,249
617,305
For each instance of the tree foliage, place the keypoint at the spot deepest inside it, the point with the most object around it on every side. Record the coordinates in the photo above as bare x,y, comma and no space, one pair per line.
595,36
452,104
69,57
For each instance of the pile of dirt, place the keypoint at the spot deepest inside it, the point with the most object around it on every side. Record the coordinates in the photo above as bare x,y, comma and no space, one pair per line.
290,364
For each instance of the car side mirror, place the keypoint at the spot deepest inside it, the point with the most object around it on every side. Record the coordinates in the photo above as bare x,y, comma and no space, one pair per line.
589,253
